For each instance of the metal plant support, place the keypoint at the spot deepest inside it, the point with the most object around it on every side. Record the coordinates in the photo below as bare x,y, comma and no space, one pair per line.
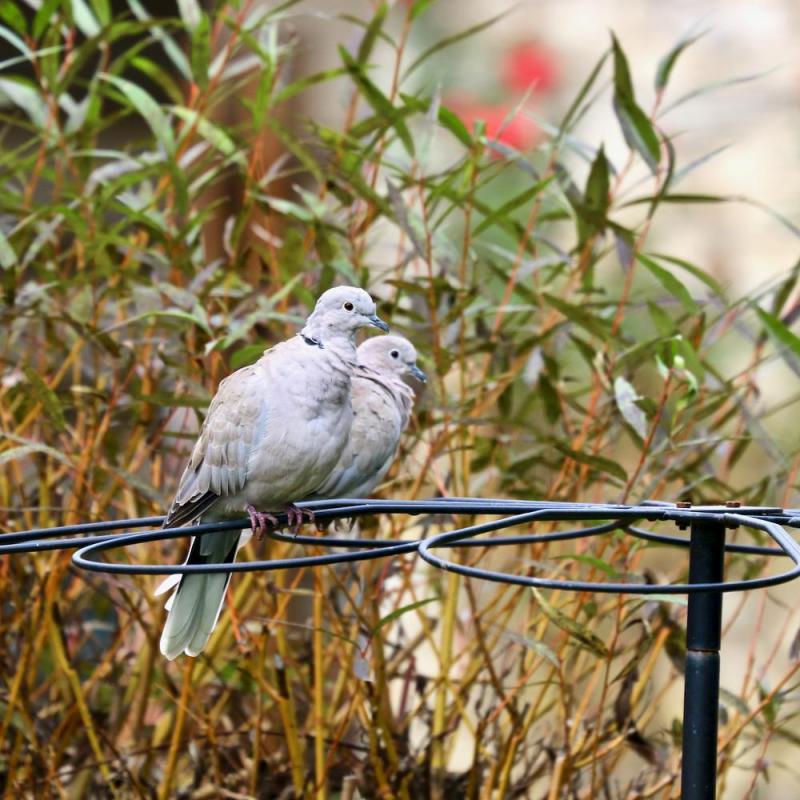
706,543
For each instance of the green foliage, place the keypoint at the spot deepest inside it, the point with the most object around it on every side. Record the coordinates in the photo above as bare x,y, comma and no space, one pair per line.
164,216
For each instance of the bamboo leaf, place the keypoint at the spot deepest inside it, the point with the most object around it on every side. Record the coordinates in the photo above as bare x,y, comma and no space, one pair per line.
665,66
636,127
398,612
625,397
449,41
148,108
582,635
25,450
778,331
672,284
597,463
47,397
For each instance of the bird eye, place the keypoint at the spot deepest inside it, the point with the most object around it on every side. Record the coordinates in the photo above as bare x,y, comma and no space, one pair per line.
395,354
348,306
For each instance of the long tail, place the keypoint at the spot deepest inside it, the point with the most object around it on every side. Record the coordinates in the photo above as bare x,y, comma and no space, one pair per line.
194,608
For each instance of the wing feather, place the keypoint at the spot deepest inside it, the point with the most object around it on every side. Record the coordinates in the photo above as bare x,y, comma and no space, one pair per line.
218,464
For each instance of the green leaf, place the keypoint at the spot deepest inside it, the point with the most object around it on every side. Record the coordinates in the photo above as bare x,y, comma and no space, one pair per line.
451,40
398,612
191,14
26,96
597,187
597,463
692,269
579,316
47,397
26,449
778,331
590,561
574,111
514,203
8,257
674,286
638,132
679,198
450,121
213,134
540,648
636,127
246,355
47,16
586,638
419,7
85,20
626,396
14,18
148,108
379,102
201,51
371,34
666,64
301,85
170,313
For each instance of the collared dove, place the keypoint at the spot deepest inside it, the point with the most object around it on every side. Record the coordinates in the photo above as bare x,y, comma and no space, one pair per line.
382,403
273,433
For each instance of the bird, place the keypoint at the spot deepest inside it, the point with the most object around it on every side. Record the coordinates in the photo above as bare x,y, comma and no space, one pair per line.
382,403
273,433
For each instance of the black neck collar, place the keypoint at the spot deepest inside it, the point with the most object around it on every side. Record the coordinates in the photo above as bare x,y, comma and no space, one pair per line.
310,340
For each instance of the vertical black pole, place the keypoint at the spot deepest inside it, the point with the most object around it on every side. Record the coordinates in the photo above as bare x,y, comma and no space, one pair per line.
701,692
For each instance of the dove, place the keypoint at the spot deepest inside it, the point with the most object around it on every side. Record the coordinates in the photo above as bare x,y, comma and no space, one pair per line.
382,403
274,431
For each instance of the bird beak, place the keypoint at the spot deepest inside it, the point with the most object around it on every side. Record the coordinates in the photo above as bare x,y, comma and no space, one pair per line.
378,323
417,373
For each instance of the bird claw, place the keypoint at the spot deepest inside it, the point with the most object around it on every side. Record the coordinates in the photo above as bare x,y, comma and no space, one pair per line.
296,516
261,522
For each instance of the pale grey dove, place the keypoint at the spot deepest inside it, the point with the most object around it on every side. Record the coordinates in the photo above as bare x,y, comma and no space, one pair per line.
273,433
382,403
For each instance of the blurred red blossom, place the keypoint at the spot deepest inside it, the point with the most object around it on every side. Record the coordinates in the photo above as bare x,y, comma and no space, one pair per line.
529,64
504,124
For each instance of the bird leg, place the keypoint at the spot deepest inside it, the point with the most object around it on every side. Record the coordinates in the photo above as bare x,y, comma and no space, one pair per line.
260,521
297,516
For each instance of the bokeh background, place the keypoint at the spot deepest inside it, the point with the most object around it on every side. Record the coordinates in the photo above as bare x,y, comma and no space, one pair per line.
145,256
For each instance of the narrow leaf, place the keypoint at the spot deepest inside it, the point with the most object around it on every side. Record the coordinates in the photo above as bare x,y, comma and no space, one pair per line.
666,64
398,612
148,108
672,284
597,463
778,330
626,396
586,638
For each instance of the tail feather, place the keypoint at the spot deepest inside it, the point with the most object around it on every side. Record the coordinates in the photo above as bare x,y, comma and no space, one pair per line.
195,606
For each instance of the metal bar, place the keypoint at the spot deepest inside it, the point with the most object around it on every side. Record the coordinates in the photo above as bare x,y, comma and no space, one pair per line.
701,689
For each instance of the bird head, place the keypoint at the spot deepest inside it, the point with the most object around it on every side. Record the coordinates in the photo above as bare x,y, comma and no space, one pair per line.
342,311
391,354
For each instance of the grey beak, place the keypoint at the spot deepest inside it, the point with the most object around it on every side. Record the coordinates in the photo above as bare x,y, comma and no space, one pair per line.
417,373
378,323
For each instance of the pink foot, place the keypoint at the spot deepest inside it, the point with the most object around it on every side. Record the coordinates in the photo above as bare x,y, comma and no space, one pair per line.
260,522
297,516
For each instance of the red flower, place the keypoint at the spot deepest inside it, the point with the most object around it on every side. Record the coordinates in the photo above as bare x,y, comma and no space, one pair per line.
517,131
527,65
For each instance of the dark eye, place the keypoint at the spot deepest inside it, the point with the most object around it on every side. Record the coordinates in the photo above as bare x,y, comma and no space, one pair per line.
348,306
395,354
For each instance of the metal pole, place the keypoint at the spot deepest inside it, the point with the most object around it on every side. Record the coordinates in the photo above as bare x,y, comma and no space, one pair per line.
701,691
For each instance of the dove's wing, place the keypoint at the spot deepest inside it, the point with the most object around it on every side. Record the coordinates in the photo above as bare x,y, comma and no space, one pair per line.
233,427
379,418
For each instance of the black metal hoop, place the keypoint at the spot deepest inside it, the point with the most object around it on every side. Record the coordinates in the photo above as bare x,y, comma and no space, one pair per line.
707,547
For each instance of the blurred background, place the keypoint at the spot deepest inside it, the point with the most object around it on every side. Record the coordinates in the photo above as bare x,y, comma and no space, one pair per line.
178,183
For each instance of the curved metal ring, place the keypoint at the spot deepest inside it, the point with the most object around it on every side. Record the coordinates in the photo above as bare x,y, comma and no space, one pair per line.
453,539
